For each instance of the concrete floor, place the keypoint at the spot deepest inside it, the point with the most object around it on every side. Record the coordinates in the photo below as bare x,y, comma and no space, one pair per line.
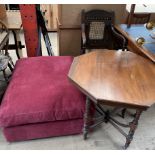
104,137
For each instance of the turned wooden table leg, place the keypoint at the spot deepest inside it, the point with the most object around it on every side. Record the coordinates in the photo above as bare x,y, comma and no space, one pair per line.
133,126
86,118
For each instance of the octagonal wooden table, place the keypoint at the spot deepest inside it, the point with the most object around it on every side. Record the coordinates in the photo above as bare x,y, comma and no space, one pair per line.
121,79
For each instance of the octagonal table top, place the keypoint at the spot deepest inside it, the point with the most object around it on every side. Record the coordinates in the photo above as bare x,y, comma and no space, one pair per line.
116,78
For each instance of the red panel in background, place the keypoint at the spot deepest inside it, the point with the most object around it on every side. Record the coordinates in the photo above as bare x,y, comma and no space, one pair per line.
30,27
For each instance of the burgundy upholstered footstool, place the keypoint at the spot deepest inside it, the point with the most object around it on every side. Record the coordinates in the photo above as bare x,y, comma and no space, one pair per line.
40,101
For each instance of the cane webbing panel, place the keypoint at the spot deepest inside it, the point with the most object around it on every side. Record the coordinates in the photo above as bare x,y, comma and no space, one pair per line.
96,30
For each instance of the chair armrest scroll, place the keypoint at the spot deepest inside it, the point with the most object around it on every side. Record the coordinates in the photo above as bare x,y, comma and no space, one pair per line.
119,36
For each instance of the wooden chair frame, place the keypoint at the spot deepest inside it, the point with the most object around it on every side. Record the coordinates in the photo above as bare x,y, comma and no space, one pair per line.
109,31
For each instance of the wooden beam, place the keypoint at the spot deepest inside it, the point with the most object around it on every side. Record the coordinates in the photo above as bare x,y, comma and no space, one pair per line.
132,9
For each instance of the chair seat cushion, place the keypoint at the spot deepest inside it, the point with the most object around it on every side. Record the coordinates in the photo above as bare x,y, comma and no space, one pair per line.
4,60
40,91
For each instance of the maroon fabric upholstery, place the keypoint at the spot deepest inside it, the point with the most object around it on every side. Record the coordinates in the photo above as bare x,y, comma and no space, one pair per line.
41,92
43,130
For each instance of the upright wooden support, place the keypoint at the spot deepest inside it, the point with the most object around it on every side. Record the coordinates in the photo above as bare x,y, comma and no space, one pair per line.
132,9
30,27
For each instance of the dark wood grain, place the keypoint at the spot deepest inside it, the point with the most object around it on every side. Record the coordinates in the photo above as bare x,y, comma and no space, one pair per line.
138,18
132,9
141,18
135,31
119,78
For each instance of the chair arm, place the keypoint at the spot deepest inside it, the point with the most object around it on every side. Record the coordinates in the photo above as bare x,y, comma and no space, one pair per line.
120,37
83,34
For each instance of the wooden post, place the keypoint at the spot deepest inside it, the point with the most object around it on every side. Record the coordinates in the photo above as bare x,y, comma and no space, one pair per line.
132,9
30,27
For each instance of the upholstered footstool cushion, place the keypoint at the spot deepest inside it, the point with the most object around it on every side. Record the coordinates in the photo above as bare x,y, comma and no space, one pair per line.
39,92
43,130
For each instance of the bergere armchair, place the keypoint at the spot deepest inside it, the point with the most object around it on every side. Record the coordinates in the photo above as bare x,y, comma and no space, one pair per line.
98,31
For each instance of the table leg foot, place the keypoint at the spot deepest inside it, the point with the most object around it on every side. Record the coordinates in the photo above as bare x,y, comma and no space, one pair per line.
133,126
85,133
124,147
